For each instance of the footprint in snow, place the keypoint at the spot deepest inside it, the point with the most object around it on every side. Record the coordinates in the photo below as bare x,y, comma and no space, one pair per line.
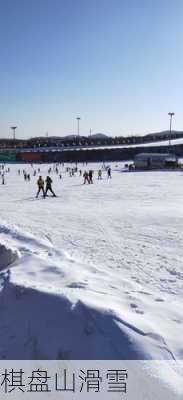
136,309
142,292
76,285
159,300
133,305
139,312
177,321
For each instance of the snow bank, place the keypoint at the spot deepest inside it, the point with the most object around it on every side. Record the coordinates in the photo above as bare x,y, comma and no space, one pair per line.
7,256
48,326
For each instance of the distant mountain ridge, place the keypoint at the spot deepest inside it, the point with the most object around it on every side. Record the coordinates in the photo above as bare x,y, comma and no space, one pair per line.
99,136
102,136
165,133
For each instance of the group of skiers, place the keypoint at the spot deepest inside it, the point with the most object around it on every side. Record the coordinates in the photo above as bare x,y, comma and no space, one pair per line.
45,186
27,177
88,176
3,171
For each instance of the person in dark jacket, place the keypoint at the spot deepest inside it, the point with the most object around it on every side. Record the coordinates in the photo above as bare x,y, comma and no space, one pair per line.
90,176
109,172
86,177
48,181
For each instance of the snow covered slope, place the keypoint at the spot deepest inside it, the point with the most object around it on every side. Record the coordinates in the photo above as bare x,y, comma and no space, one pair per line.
95,273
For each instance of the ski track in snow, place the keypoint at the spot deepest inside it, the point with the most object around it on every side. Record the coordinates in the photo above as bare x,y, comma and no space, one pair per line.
105,258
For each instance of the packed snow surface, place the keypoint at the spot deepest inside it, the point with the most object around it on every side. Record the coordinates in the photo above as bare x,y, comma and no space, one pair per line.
95,273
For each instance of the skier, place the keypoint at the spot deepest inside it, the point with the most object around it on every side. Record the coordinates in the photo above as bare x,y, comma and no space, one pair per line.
40,183
109,172
90,176
49,186
86,177
100,174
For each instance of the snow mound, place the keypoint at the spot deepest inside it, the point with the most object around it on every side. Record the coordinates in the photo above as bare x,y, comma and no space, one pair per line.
49,295
36,318
7,256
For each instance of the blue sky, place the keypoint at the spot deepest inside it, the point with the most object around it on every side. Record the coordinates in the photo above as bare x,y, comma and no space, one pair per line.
118,64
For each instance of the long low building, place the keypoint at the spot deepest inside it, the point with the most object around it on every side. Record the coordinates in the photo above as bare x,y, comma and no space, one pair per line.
93,153
155,161
160,143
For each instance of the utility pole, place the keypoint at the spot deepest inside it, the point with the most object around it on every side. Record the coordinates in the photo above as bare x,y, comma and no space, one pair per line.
78,120
171,114
14,129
